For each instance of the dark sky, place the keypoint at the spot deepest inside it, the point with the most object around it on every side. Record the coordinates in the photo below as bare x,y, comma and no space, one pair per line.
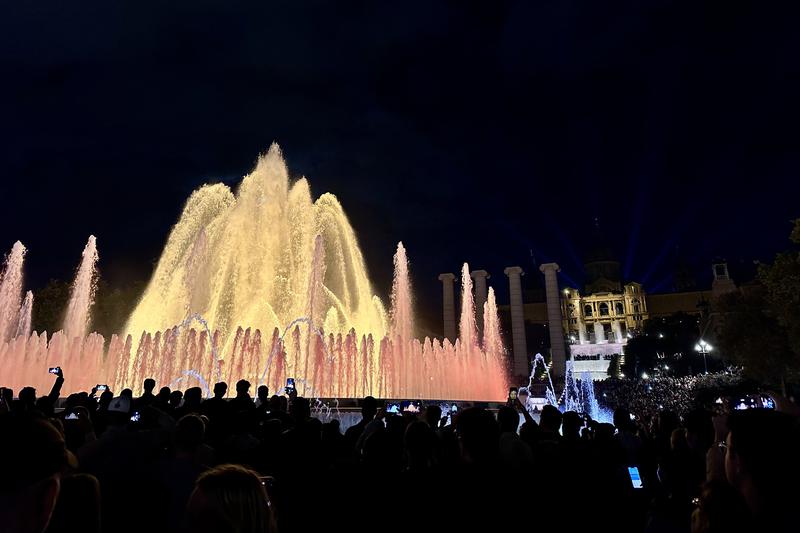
472,131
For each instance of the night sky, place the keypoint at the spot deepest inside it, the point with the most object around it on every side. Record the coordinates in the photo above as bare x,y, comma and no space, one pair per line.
489,132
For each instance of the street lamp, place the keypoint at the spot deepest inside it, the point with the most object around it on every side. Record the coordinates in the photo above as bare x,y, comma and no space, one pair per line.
703,347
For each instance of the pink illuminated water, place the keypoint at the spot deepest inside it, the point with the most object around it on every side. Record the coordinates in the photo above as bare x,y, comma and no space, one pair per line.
76,319
11,292
324,364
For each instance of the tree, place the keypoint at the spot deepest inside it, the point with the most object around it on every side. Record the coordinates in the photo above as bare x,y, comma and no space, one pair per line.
49,306
761,330
113,306
781,280
665,346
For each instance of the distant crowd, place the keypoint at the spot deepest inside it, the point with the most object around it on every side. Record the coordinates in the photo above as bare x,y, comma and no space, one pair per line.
171,461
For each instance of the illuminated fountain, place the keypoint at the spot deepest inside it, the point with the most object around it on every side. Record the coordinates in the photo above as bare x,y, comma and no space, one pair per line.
279,285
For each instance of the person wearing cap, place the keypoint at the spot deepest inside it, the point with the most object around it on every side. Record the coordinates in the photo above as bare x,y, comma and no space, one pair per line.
33,457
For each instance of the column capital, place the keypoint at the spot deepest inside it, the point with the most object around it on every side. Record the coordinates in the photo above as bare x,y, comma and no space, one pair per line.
513,271
550,267
475,274
447,276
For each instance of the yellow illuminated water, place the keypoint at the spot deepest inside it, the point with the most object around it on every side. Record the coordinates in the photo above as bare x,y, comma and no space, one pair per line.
246,259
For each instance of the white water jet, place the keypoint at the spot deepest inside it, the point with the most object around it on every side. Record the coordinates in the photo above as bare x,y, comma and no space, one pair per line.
11,292
76,319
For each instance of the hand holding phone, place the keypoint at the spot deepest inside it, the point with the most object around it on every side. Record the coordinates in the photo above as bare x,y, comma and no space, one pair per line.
290,389
55,370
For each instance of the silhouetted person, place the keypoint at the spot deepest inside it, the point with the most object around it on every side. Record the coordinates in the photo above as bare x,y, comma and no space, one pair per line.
626,436
33,458
191,457
433,416
147,397
243,400
571,426
262,399
229,499
191,402
175,399
763,464
218,410
162,400
369,407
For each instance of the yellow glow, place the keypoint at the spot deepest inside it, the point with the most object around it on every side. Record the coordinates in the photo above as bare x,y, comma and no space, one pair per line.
245,260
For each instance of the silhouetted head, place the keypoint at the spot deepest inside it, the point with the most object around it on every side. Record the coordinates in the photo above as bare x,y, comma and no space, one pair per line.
33,456
163,395
433,414
189,432
762,456
242,387
508,419
300,409
604,432
105,399
571,425
149,385
478,435
175,398
666,422
369,408
27,395
229,499
274,403
699,430
126,392
622,419
193,397
419,443
220,389
550,419
263,393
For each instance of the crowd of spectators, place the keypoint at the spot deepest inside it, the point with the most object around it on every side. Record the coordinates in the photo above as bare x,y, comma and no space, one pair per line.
646,397
172,462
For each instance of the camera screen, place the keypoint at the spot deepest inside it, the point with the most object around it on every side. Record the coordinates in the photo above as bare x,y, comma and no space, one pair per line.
633,472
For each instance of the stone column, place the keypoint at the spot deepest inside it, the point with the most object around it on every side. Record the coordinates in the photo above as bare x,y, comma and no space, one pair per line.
599,333
520,348
480,277
448,306
582,331
617,329
554,319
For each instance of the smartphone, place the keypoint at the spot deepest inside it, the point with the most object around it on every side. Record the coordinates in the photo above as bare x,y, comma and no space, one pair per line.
411,407
55,370
136,416
636,480
393,408
512,394
102,388
453,409
290,386
767,402
71,416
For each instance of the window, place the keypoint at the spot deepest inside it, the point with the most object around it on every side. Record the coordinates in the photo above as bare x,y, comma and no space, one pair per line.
587,310
620,309
603,309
